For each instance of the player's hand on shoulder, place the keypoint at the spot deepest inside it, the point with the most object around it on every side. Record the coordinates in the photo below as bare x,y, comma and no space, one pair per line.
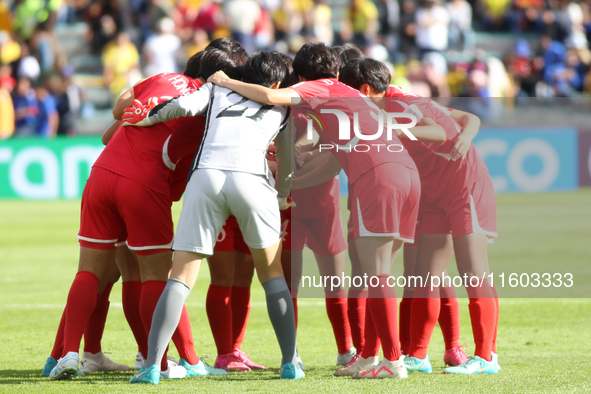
137,114
218,78
461,147
285,203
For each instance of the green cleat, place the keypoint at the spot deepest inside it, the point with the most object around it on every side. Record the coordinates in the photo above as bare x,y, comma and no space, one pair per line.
290,371
147,375
201,368
414,364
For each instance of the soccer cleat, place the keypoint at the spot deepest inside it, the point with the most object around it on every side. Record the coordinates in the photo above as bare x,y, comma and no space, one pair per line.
66,367
100,363
455,356
174,371
495,358
385,369
247,361
300,362
474,365
290,371
200,369
231,362
49,364
357,364
345,358
139,361
147,375
414,364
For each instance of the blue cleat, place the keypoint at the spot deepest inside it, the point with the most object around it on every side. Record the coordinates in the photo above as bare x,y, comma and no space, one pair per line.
49,364
201,368
147,375
474,365
290,371
414,364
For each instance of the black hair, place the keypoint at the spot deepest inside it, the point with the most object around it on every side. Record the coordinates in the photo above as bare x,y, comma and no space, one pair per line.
264,68
193,65
290,78
349,53
337,50
215,60
315,61
366,70
228,45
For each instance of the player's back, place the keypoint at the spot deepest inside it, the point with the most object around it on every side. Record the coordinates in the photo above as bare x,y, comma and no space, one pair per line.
148,155
238,132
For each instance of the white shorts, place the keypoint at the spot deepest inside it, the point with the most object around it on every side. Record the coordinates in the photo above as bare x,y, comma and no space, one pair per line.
213,195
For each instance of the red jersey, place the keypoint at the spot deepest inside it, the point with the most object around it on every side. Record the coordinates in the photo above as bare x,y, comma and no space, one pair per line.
316,201
148,155
441,178
356,156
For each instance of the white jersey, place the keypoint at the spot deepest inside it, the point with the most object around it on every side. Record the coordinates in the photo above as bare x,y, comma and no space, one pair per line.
237,133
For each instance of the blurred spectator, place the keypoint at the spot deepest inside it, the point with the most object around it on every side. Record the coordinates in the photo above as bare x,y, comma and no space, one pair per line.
496,14
6,106
10,50
521,68
5,17
322,23
121,64
161,51
28,66
555,74
289,18
264,34
105,20
389,21
67,102
44,48
26,109
432,26
210,17
461,35
198,43
243,16
549,26
47,118
361,23
29,13
408,29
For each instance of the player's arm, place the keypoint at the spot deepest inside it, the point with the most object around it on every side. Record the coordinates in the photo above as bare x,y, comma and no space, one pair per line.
148,114
323,168
258,93
284,148
125,101
426,130
108,134
470,124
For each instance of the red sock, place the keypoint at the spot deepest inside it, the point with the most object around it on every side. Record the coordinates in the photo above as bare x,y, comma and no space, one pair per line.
371,348
183,339
151,292
219,313
336,308
404,323
494,344
240,301
294,300
96,325
423,317
81,302
356,304
483,313
58,345
449,317
384,310
132,291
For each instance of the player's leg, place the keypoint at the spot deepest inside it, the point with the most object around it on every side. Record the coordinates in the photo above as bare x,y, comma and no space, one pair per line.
409,262
434,253
357,297
449,321
93,359
293,236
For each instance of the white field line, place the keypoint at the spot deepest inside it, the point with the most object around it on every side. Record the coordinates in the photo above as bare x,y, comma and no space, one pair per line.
311,303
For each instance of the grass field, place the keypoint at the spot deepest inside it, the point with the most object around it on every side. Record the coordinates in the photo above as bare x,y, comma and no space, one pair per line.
544,345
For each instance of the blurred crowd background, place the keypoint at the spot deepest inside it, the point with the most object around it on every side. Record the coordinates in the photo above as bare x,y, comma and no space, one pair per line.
64,62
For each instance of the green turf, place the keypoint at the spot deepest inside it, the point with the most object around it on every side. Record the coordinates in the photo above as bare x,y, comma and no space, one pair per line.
544,344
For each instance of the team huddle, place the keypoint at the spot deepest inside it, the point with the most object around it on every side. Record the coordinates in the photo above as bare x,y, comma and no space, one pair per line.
235,134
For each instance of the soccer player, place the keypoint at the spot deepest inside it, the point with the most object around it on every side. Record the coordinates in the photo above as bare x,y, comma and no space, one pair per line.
229,176
384,187
132,176
458,216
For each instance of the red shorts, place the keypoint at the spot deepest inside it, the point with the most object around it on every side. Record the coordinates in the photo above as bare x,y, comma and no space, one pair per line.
230,238
473,210
286,229
323,235
113,204
384,202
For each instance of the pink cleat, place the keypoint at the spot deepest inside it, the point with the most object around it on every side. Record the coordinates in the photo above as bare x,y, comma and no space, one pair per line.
455,356
247,361
231,362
